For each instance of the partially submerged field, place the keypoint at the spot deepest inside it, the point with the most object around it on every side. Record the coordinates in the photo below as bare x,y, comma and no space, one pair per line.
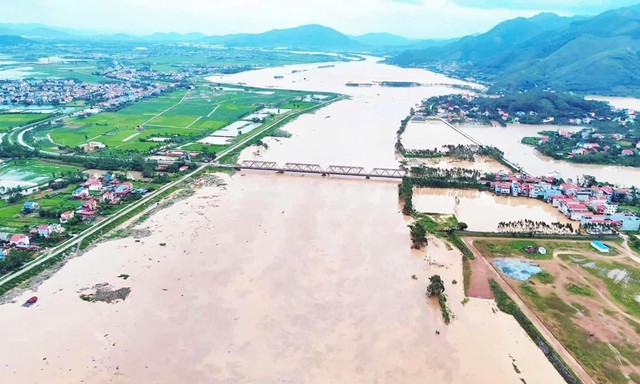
26,173
187,114
589,301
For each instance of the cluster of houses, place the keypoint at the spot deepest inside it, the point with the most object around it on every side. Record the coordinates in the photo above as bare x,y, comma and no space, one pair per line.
130,74
107,190
116,95
590,206
462,107
62,91
45,91
589,142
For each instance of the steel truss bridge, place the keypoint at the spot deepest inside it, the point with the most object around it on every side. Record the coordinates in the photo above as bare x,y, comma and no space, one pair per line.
340,170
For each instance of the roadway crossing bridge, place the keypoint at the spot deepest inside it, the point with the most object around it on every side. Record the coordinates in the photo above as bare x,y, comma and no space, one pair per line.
341,170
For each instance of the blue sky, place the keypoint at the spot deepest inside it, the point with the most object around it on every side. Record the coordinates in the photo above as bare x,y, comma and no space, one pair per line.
411,18
580,7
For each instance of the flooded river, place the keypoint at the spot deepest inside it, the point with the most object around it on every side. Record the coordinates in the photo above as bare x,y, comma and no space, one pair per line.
279,278
359,131
294,279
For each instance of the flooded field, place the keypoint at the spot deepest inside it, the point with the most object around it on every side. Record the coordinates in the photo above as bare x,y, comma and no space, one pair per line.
482,211
431,134
255,283
509,141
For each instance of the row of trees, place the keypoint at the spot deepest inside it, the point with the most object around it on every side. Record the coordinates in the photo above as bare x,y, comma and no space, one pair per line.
14,260
537,227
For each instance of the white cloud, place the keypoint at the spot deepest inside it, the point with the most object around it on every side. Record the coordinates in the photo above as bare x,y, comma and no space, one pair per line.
413,18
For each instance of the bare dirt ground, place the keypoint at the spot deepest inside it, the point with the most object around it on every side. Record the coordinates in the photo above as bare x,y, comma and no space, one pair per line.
598,317
481,283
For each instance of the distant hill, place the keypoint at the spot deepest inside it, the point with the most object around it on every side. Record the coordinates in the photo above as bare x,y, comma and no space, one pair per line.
9,40
477,49
382,39
39,31
600,54
174,37
304,37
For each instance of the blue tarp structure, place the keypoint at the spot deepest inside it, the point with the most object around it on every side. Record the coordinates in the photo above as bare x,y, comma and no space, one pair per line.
517,269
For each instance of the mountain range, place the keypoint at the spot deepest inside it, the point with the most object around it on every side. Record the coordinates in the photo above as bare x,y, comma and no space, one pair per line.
312,36
600,54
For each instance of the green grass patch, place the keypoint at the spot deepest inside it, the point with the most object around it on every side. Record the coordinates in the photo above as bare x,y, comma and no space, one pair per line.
510,248
545,278
630,208
622,281
584,310
579,290
596,356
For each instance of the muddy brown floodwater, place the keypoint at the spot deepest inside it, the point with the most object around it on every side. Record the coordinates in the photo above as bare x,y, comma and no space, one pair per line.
276,278
482,211
508,139
279,278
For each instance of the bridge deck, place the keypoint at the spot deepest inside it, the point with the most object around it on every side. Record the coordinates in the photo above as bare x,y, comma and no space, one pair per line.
339,170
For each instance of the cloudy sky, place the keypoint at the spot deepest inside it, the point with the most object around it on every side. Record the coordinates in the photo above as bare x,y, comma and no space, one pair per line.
411,18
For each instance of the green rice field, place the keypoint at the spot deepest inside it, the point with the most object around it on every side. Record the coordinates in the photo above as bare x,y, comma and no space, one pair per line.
193,113
12,120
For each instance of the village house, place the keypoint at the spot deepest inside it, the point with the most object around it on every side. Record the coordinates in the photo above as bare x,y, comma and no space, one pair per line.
90,205
19,241
81,193
46,230
4,237
93,184
66,216
123,189
109,198
627,152
92,146
30,207
43,230
502,188
3,253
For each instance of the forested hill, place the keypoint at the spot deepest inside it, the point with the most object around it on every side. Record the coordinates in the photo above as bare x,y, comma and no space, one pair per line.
600,54
7,40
